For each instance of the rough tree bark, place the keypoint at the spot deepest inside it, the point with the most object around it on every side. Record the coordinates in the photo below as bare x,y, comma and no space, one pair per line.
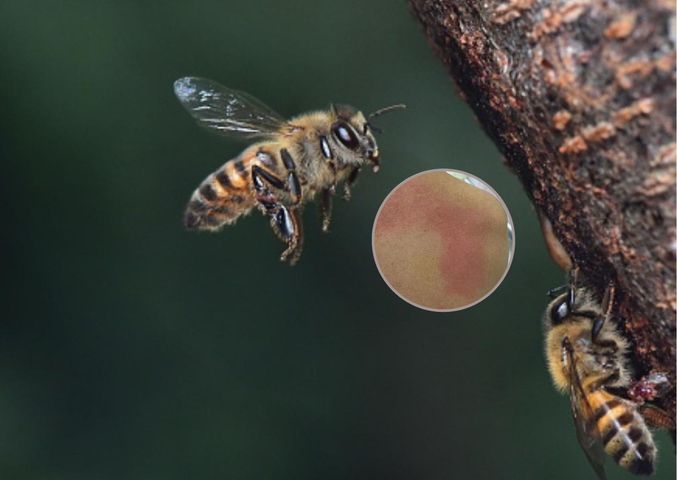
579,96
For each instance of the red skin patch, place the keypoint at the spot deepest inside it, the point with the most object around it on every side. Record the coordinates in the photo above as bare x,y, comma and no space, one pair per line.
463,227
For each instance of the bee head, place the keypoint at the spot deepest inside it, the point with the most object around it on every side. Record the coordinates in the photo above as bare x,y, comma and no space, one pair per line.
353,133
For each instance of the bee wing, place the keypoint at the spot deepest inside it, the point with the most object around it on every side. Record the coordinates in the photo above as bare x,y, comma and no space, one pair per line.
227,111
586,429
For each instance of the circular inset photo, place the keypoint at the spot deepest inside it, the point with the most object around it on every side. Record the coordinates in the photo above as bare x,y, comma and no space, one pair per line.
443,240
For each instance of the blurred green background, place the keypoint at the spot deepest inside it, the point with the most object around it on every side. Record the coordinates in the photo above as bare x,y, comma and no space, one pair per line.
131,349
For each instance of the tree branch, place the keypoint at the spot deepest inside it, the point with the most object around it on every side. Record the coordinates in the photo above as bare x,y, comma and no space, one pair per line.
579,96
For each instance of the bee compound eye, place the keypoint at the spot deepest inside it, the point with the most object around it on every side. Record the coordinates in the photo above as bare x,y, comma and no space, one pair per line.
559,312
284,222
345,135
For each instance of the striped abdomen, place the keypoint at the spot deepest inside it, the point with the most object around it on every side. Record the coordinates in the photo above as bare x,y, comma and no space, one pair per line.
623,432
224,195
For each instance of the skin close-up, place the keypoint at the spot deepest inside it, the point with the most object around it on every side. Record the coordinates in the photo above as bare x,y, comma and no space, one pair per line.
441,243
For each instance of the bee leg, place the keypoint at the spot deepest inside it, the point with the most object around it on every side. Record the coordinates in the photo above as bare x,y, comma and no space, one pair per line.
262,179
286,223
293,185
573,277
597,325
607,306
347,187
284,220
326,203
573,283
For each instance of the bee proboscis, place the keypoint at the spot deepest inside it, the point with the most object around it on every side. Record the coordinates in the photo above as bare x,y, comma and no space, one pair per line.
587,357
293,161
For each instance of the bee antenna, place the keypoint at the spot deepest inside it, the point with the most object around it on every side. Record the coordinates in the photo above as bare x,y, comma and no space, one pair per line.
373,128
383,110
378,112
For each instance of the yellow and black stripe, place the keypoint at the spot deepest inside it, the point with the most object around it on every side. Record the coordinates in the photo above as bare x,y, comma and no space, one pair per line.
221,198
623,432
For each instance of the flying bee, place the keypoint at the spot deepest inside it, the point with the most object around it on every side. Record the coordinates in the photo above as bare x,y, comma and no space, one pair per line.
586,357
293,161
